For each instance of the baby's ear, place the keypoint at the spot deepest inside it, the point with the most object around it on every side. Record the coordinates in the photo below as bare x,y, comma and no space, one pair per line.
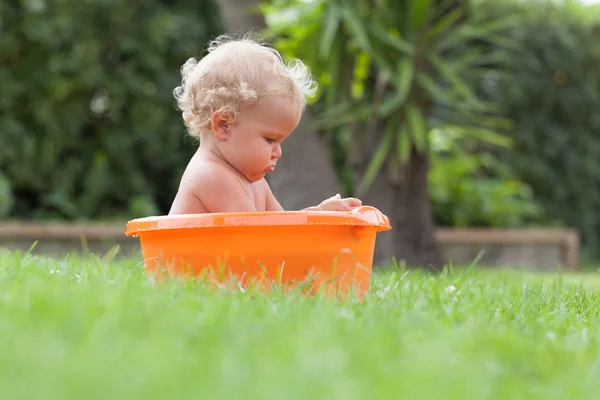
220,125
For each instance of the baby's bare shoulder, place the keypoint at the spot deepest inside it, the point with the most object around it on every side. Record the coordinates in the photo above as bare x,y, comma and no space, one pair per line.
205,176
219,189
207,170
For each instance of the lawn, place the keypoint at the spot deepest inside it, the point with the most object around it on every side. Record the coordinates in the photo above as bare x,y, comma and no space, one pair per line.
83,328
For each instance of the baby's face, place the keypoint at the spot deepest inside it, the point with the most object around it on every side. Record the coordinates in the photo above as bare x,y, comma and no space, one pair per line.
254,143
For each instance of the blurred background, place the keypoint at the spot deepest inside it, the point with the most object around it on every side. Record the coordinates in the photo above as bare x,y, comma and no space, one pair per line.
444,114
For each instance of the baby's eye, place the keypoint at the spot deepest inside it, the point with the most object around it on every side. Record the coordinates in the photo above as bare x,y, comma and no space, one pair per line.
269,140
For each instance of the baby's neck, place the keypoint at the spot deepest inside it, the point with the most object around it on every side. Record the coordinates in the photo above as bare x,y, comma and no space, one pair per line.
213,154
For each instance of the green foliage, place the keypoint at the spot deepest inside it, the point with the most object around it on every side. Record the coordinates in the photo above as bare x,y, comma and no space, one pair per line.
382,66
381,72
471,187
6,196
553,97
87,117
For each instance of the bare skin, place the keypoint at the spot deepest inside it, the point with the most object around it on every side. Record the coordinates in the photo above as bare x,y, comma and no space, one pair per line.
227,173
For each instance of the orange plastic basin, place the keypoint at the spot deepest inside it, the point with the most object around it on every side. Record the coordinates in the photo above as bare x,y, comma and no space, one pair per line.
330,250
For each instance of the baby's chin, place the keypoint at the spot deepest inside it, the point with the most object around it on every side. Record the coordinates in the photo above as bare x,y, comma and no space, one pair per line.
256,177
263,173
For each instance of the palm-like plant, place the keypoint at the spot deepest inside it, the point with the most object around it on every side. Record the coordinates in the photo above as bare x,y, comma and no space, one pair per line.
390,71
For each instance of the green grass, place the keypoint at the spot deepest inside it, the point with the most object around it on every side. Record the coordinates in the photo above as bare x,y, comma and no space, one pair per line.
82,328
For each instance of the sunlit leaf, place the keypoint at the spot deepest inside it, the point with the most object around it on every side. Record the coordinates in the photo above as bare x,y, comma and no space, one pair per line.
448,72
444,7
474,59
382,61
360,74
417,126
466,33
404,80
502,22
337,110
333,63
394,41
419,13
434,90
356,27
462,114
445,23
360,112
331,23
403,144
485,135
381,153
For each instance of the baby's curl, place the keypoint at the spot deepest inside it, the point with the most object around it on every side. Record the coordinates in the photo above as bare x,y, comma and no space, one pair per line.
235,74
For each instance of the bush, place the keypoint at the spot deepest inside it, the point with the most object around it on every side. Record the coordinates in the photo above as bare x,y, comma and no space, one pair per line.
473,188
553,97
88,122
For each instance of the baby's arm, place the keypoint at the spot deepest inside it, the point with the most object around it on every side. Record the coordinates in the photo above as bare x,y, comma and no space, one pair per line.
335,203
271,202
186,203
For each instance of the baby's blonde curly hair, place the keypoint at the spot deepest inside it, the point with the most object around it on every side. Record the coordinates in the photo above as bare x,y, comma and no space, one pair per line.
236,73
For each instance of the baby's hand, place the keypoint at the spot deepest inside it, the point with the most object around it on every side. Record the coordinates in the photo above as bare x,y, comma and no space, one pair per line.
336,203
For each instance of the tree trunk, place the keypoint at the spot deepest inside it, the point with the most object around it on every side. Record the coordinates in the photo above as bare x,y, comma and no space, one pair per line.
237,15
381,196
402,194
305,175
406,202
412,217
380,193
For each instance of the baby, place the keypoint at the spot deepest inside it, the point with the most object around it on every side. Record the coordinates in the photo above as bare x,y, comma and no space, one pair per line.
241,101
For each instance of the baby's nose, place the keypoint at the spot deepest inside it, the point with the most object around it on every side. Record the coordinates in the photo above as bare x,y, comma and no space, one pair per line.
277,151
